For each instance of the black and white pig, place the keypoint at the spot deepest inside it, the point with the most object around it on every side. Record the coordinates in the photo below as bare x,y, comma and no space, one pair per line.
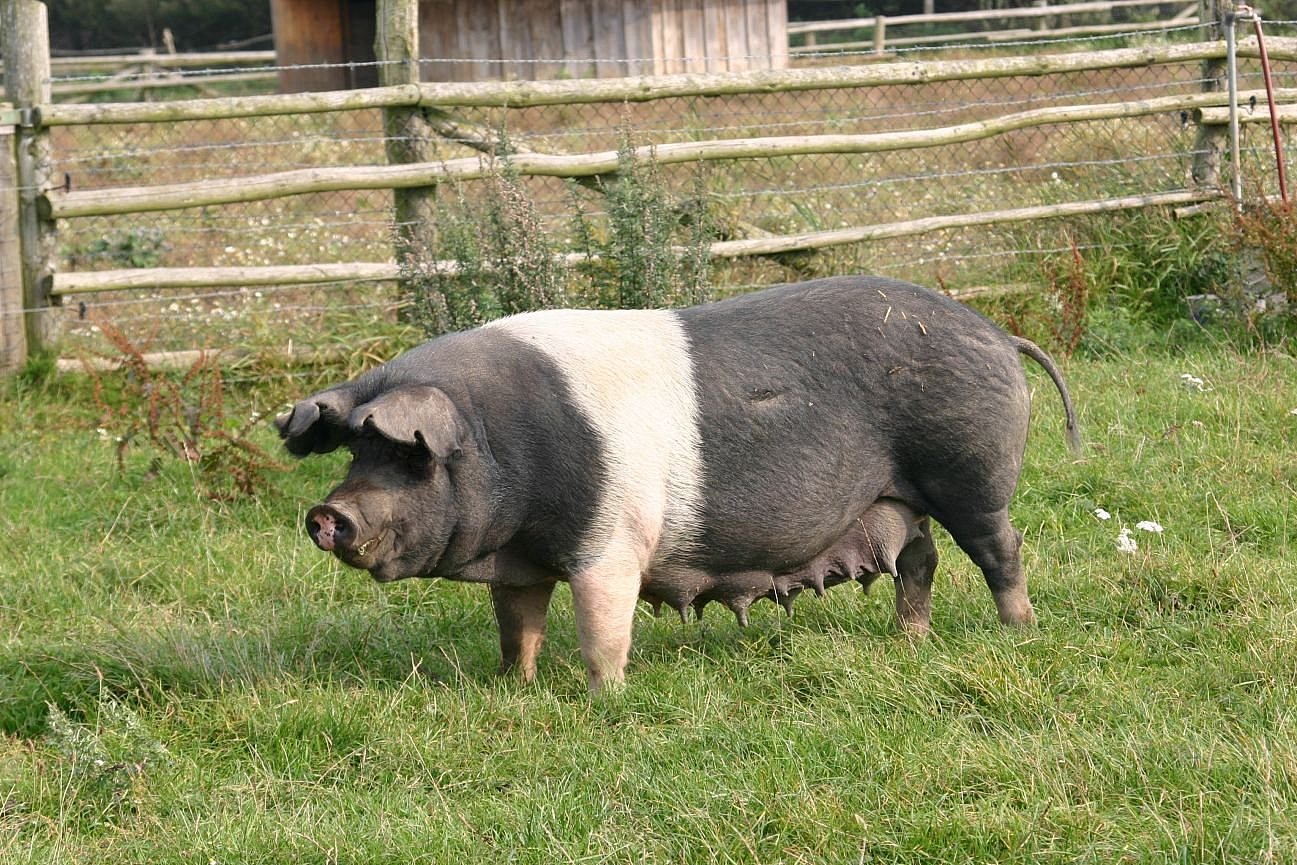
791,438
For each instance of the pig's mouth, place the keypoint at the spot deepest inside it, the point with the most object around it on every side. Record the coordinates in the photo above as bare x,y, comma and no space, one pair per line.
366,556
363,556
370,545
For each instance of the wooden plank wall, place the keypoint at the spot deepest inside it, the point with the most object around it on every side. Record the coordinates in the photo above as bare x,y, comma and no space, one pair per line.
719,35
485,40
599,38
576,26
310,32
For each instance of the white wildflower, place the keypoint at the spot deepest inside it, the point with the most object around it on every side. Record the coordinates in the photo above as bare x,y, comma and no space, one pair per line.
1149,526
1102,514
1193,382
1125,543
1292,411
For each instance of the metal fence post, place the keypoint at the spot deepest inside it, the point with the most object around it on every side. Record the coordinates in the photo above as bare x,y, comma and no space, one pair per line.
1231,75
408,136
26,49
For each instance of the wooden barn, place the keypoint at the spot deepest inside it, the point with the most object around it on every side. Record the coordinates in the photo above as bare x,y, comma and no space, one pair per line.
476,40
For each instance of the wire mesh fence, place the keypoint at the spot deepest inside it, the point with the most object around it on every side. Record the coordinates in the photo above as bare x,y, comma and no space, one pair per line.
1030,166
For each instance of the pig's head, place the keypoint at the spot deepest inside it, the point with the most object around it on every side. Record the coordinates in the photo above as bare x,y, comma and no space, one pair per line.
397,509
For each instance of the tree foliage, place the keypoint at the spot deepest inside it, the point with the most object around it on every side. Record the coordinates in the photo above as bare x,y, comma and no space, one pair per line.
82,25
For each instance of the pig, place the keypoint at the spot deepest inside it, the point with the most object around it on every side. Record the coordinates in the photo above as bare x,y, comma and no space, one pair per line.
796,437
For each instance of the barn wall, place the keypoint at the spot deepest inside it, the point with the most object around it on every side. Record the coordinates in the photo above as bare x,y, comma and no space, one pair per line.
310,32
361,28
599,38
479,40
719,35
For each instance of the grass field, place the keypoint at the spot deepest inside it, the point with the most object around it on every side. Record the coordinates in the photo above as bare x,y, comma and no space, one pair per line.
183,680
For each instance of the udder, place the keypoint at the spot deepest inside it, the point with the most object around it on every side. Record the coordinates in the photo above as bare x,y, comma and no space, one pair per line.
868,549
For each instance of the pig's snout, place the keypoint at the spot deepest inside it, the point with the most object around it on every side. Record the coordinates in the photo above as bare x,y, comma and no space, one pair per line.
330,528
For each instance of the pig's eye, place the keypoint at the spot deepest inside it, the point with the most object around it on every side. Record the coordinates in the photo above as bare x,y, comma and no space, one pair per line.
415,458
377,450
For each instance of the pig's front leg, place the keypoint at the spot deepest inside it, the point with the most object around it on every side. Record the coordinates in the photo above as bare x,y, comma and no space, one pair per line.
603,599
520,613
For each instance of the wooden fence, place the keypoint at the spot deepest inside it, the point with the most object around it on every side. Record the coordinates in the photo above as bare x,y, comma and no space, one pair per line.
43,200
1047,23
77,77
59,203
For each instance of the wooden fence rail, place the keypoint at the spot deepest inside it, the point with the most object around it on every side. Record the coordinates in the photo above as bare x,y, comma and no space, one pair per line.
525,94
61,204
215,277
149,70
182,60
1040,10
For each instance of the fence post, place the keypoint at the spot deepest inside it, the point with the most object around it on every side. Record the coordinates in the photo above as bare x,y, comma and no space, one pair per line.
1209,140
1042,23
408,136
26,47
13,341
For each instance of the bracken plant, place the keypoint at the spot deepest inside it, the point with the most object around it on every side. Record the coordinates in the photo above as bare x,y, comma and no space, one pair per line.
178,416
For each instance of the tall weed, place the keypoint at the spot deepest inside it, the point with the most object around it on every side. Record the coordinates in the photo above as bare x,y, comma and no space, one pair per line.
653,250
1270,227
647,249
1125,283
503,261
1064,314
104,766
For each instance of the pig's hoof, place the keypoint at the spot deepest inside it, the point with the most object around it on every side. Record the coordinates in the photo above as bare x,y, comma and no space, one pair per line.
915,630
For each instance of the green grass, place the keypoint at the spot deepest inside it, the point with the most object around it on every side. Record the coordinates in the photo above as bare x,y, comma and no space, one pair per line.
225,693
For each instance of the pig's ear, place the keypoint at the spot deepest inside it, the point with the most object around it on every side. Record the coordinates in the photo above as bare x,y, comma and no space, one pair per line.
317,424
415,415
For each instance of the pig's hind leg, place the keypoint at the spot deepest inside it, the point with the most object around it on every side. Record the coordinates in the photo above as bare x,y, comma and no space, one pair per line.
993,544
914,570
